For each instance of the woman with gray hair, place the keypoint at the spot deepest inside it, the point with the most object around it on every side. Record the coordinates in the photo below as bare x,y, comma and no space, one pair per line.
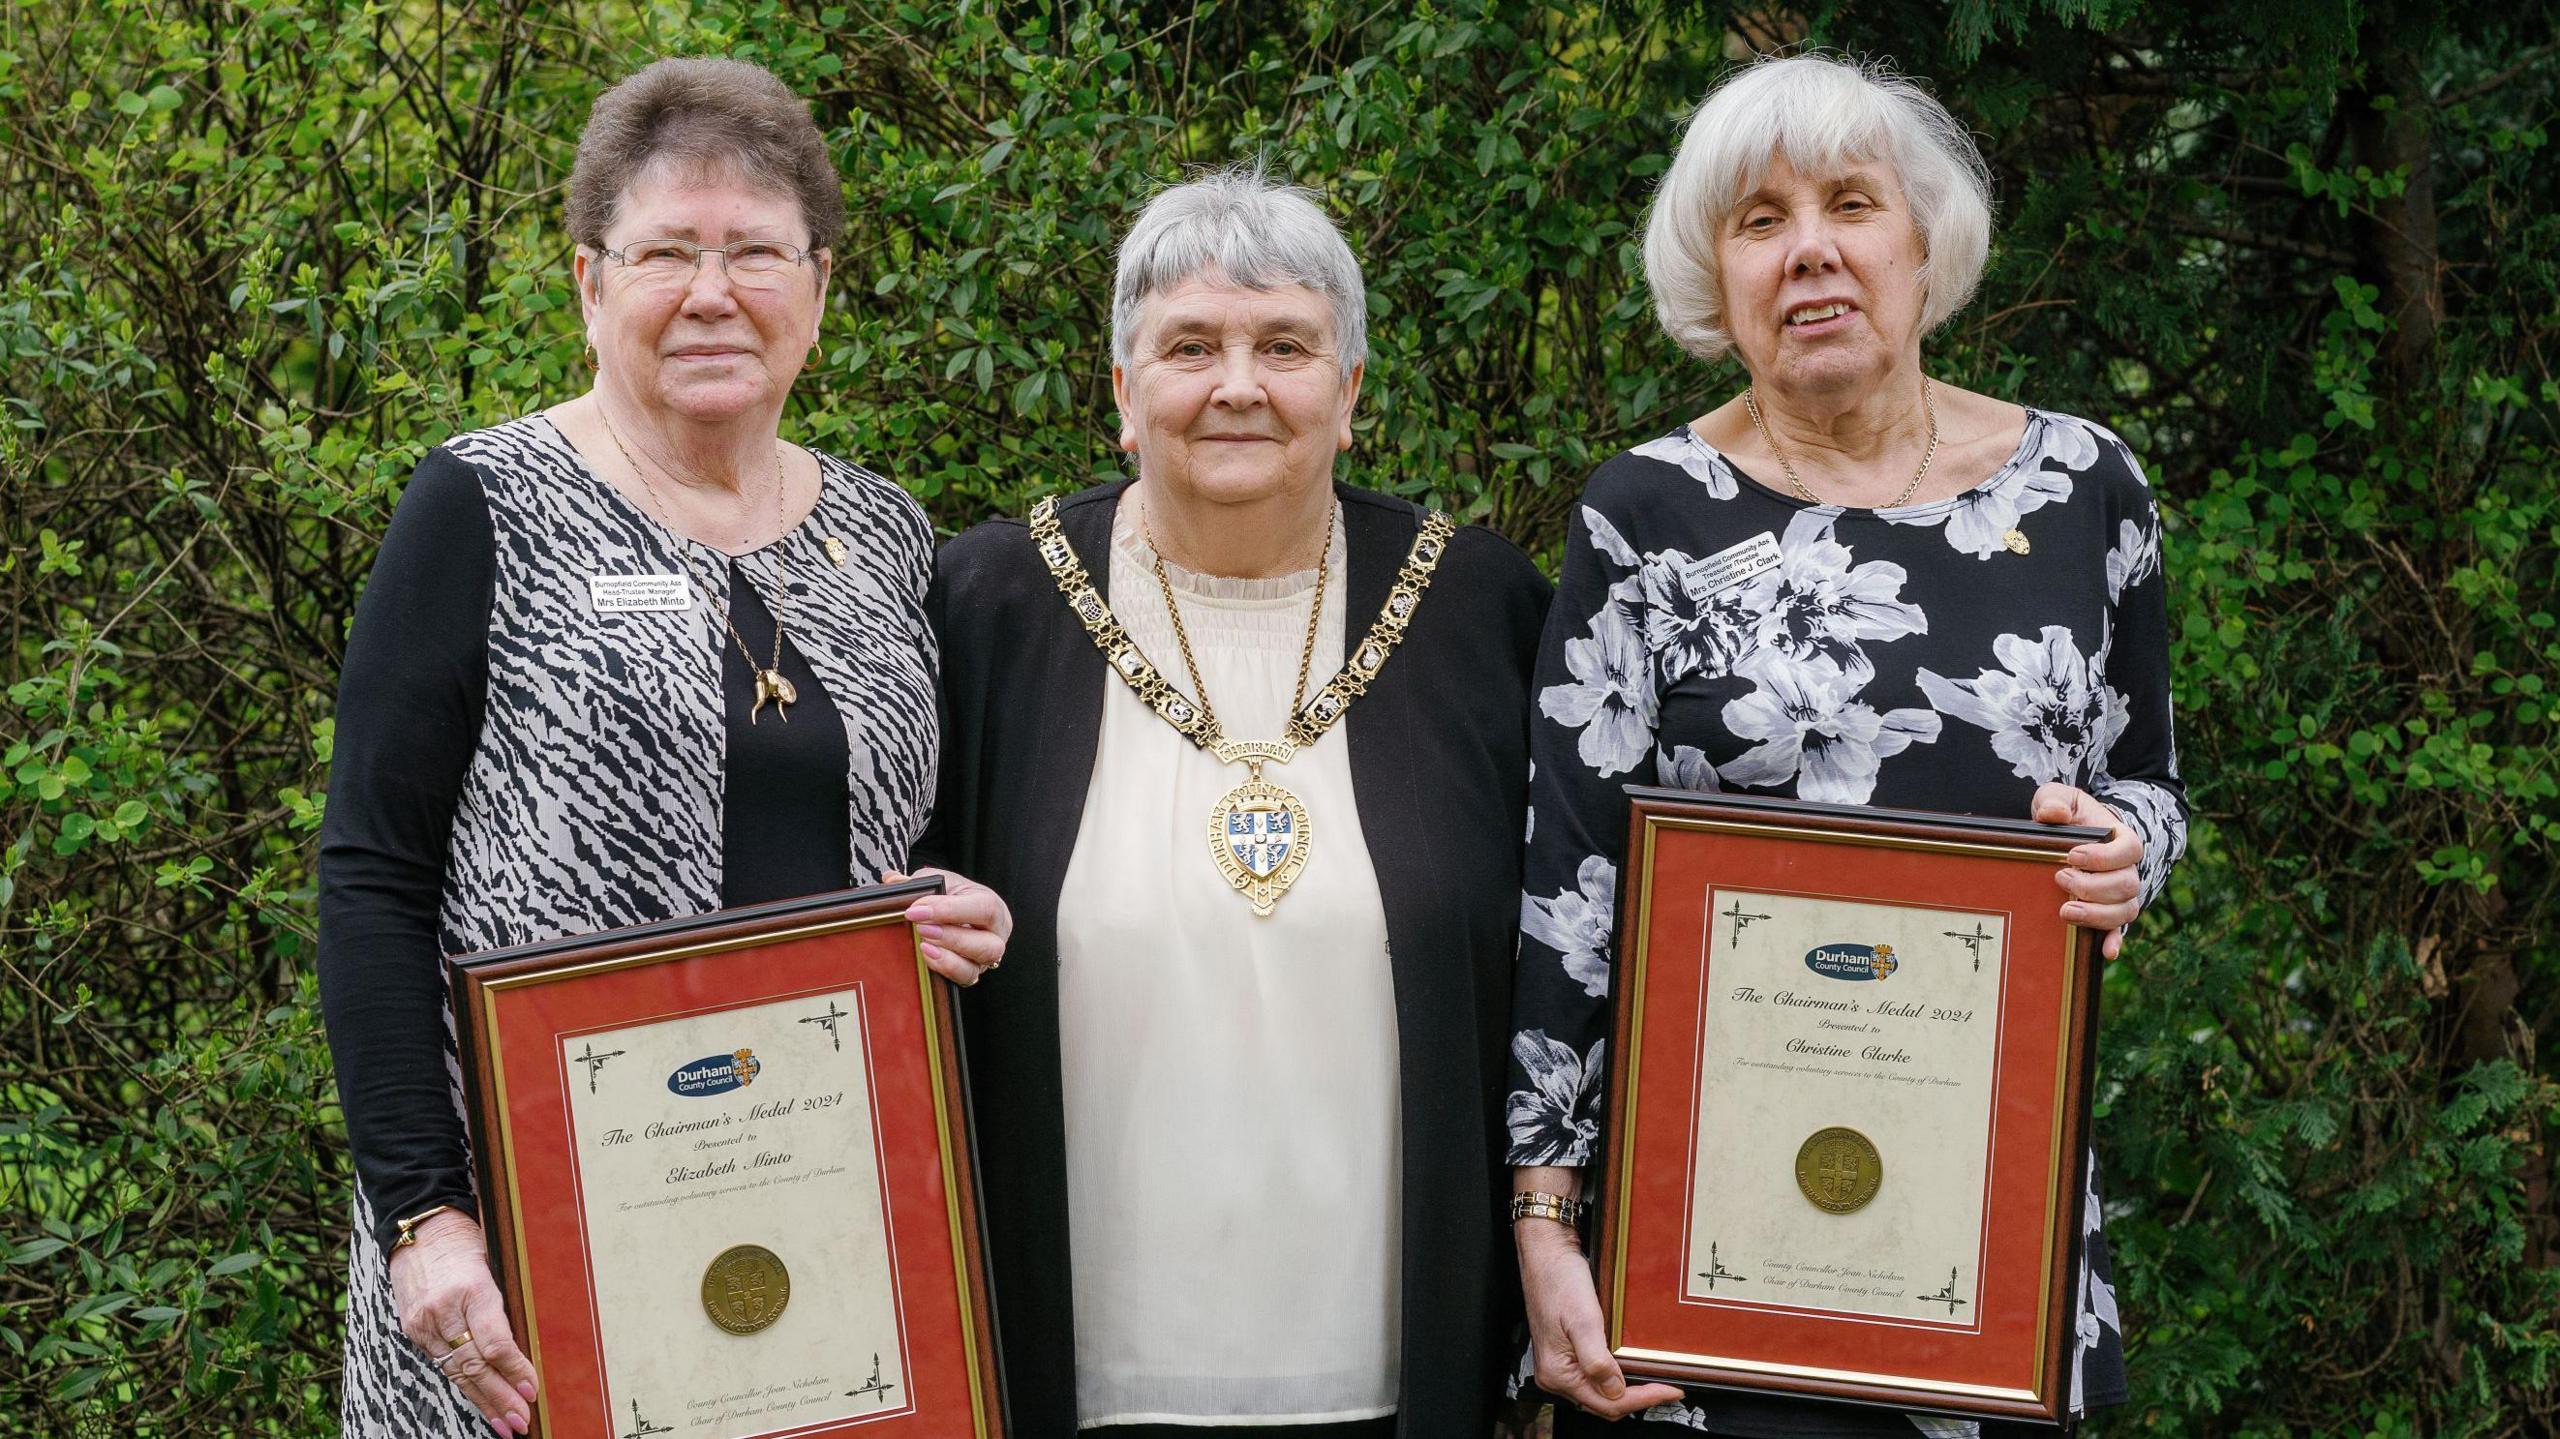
625,659
1950,603
1247,750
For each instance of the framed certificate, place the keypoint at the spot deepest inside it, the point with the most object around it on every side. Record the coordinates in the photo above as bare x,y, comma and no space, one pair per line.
1849,1105
726,1176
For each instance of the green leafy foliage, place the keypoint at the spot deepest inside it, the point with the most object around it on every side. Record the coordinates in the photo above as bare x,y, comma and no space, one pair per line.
260,254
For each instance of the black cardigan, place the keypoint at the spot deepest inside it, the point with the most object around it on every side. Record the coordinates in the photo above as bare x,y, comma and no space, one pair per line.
1439,761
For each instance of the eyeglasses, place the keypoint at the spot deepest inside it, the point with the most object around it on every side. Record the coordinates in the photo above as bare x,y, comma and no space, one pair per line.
751,264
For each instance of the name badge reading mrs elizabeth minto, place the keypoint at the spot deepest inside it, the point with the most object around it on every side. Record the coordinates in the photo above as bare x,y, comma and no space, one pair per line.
615,594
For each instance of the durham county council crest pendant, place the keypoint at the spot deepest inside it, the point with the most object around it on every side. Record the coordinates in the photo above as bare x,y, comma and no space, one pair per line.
1259,835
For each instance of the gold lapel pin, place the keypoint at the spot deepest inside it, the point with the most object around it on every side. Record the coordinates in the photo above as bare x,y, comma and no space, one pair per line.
835,549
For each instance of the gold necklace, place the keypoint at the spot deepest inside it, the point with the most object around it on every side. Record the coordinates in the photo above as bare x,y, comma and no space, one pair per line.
1259,832
770,683
1751,404
1258,828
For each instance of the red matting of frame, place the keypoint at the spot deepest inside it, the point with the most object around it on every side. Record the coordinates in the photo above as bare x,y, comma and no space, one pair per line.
2009,1358
518,1007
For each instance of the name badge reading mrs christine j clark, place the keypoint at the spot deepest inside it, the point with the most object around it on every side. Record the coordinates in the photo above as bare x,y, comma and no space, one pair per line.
1726,568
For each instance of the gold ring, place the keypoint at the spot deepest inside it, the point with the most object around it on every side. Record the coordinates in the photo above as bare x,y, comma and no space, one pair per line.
453,1342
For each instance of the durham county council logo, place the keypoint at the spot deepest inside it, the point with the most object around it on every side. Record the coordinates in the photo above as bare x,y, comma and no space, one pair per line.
717,1075
1852,961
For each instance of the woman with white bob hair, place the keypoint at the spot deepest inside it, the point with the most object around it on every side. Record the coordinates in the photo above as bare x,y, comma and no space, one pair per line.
1961,609
1248,751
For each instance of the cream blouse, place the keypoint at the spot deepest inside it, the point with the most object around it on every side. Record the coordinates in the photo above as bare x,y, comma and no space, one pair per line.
1231,1085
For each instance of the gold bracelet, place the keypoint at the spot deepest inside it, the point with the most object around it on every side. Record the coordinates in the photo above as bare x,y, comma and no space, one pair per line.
1535,1204
409,1226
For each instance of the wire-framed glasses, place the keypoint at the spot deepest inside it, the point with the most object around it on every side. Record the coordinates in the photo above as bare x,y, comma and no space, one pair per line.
752,264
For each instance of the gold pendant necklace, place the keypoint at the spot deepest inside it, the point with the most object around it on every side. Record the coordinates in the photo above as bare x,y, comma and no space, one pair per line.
1259,831
772,687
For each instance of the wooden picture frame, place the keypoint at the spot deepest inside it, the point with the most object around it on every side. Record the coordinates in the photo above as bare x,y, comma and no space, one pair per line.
776,1236
1810,1130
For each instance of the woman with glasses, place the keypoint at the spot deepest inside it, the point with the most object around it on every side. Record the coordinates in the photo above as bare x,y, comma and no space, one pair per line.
628,658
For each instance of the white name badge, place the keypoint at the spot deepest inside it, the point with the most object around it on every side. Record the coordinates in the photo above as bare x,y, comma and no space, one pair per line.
1724,569
615,594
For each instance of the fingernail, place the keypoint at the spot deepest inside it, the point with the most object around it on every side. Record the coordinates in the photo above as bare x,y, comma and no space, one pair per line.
930,931
525,1388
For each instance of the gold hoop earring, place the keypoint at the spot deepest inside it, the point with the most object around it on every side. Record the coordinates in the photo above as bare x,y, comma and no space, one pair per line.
817,353
591,355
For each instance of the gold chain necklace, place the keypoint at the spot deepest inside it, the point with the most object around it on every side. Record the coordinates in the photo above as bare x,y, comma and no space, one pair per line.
1751,403
1258,832
770,684
1258,829
1182,637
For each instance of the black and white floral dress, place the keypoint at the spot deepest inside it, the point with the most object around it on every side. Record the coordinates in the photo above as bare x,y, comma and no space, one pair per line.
1919,658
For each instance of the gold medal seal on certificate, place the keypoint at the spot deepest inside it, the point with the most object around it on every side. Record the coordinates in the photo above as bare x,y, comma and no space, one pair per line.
746,1288
1839,1170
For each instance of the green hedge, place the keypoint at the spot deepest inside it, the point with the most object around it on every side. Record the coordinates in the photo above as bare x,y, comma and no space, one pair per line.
2306,257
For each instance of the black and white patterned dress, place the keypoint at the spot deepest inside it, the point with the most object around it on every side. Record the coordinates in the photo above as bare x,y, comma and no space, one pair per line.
513,765
1909,658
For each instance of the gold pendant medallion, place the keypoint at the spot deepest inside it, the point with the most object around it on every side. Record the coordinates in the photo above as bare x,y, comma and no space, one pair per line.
1259,834
2016,540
